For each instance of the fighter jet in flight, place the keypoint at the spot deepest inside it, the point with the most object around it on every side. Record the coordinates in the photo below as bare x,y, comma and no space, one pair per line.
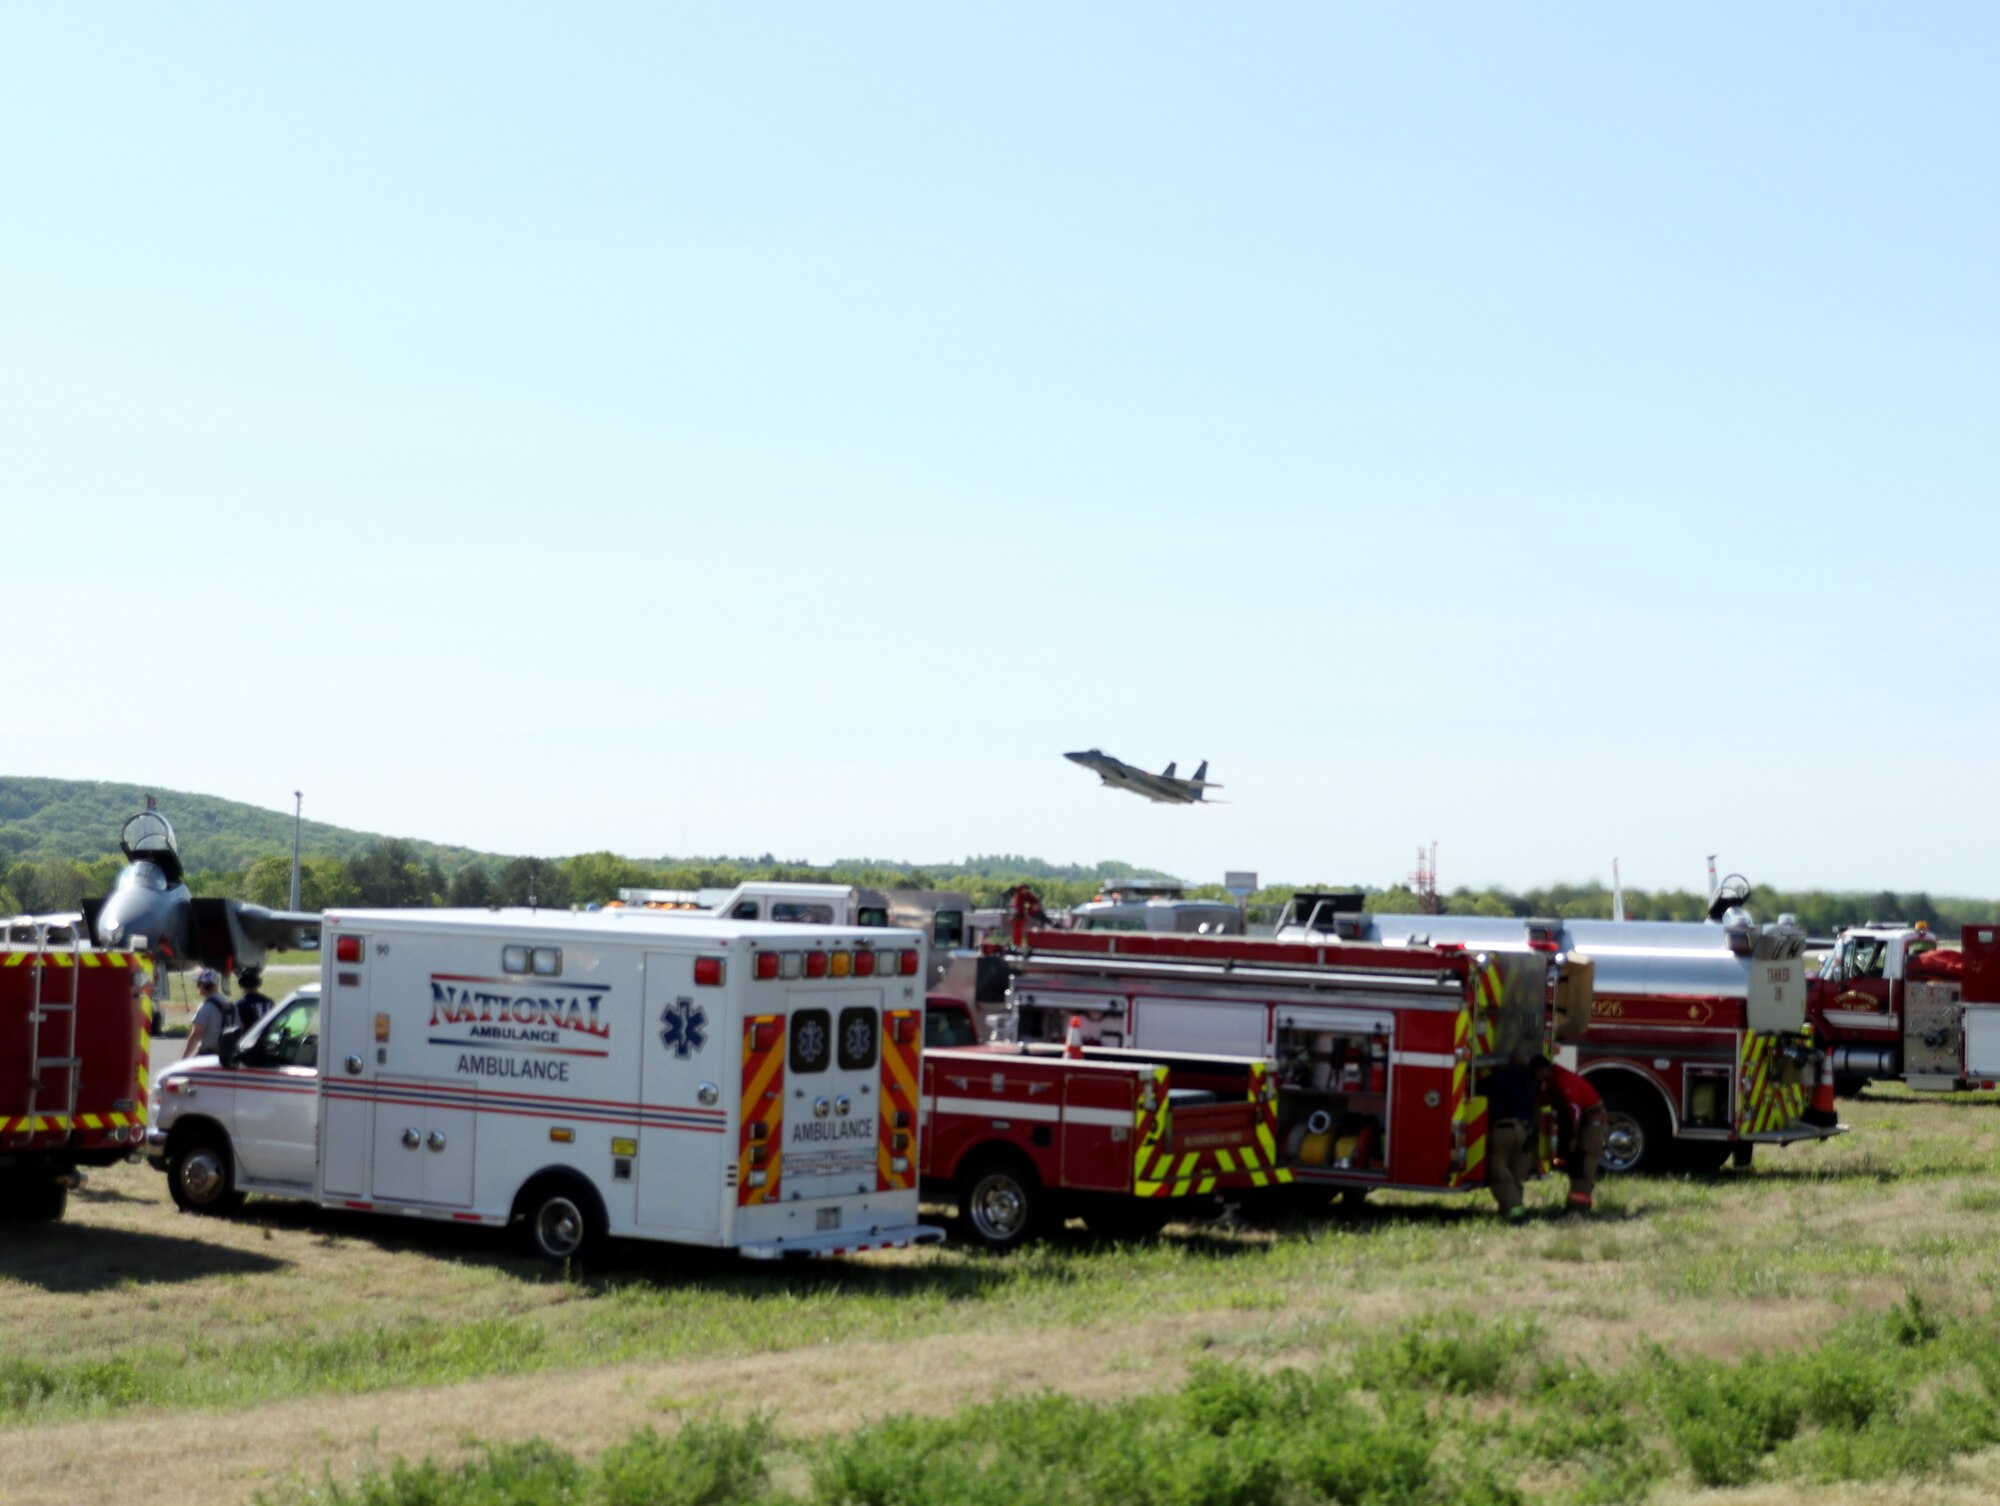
151,910
1162,787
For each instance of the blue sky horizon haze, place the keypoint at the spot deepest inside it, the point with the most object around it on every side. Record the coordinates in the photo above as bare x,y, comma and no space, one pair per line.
1559,434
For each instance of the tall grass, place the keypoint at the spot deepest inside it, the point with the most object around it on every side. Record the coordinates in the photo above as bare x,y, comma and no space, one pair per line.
1411,1421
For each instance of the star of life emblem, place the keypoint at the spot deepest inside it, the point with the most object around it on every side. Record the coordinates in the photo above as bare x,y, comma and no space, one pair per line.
860,1036
812,1041
684,1028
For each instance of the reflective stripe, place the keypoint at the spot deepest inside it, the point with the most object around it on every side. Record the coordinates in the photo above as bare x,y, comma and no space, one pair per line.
1423,1059
1002,1108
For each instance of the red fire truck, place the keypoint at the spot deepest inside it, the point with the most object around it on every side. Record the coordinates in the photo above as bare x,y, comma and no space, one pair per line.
1698,1037
1891,1004
74,1043
1372,1056
1029,1134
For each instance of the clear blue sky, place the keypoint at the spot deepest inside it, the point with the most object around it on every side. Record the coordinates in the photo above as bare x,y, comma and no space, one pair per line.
1561,433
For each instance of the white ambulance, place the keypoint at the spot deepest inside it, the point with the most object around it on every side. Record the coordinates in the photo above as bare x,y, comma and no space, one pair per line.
747,1086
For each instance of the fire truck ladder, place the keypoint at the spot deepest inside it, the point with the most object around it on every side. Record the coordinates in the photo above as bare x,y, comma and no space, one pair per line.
67,1062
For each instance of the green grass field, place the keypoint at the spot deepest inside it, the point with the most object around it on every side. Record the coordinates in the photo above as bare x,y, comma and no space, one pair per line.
1823,1323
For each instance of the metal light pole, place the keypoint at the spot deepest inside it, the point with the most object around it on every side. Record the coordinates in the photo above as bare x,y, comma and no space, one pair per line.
298,806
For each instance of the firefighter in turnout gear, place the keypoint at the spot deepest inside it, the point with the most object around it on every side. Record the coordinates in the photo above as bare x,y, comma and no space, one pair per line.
1510,1137
1580,1126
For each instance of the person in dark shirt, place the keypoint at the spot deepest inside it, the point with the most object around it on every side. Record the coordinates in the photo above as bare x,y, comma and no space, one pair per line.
253,1001
1509,1091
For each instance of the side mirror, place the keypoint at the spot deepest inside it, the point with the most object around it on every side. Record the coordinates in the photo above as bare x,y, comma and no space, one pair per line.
226,1049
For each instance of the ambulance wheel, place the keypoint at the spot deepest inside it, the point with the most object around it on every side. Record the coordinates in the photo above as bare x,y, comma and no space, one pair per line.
1127,1218
562,1220
202,1177
1002,1204
1635,1136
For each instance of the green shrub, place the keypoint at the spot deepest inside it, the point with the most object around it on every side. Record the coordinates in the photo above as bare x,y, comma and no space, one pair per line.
707,1463
525,1474
1458,1358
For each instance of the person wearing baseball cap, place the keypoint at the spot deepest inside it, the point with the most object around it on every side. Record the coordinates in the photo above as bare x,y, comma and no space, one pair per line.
211,1017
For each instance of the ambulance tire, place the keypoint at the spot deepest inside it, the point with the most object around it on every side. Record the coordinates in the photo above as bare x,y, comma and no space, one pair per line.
1001,1203
201,1174
1126,1218
561,1218
1636,1140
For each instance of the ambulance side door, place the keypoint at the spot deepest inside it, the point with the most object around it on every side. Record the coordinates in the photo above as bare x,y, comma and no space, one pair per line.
684,1066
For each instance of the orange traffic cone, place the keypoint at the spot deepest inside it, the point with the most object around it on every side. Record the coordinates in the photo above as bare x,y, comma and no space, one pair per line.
1073,1042
1822,1113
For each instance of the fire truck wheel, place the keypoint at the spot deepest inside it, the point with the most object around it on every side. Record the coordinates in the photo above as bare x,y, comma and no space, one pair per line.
562,1221
1635,1139
1702,1157
32,1199
1002,1204
1127,1218
201,1177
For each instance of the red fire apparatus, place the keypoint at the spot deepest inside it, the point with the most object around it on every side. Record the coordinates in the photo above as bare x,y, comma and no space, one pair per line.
1893,1005
73,1057
1698,1037
1361,1064
1031,1133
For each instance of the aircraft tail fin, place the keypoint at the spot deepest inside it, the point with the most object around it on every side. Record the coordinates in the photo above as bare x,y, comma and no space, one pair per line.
1167,772
1201,773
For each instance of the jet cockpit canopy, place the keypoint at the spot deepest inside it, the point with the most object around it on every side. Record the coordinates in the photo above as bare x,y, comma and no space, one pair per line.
148,838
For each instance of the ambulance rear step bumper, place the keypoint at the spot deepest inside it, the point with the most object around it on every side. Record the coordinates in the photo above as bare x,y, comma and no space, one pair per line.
842,1242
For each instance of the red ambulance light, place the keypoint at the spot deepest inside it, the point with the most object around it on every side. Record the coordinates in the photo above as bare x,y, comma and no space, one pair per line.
864,964
767,964
815,964
902,1028
906,963
708,971
347,949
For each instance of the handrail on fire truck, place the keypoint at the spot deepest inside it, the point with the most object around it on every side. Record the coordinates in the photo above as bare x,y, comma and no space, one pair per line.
1401,981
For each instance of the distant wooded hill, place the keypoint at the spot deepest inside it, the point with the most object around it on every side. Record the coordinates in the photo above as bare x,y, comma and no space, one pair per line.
77,821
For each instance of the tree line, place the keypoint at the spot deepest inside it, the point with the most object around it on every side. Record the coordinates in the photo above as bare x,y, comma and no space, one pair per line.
390,873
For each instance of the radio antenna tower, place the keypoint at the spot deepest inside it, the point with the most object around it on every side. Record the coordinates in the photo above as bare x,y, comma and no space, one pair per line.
1425,880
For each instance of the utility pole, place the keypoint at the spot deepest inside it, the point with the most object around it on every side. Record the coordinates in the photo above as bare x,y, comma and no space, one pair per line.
298,809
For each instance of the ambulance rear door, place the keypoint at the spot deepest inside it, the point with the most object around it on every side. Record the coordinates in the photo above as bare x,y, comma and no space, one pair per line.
833,1056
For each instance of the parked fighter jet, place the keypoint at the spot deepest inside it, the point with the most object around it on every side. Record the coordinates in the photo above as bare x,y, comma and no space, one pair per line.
1162,787
151,910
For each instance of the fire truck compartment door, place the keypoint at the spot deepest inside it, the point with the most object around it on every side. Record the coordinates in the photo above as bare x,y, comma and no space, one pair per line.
1222,1027
1103,1014
686,1045
1097,1123
1982,1041
1775,1001
1932,1026
347,1070
1335,1021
